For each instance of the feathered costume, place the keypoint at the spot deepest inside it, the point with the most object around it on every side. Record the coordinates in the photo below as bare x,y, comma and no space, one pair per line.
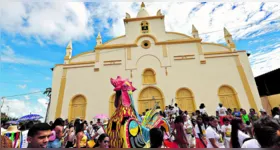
126,129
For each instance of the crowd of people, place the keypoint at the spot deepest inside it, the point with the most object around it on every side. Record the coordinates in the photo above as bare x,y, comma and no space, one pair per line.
228,129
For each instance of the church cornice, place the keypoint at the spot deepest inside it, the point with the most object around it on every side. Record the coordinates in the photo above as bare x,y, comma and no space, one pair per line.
135,44
143,18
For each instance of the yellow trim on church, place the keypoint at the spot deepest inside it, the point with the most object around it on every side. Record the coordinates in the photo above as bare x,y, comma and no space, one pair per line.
61,94
245,84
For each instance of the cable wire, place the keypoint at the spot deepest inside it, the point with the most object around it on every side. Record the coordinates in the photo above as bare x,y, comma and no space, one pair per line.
23,94
26,65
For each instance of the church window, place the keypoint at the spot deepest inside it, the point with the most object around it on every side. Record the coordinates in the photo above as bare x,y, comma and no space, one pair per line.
144,27
149,76
146,44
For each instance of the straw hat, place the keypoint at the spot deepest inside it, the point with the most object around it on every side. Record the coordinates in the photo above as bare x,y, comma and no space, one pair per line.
12,129
105,122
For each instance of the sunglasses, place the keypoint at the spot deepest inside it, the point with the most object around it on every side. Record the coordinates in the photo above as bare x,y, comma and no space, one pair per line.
106,141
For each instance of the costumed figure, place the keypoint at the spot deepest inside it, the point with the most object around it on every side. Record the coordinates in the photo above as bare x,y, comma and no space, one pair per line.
126,128
14,135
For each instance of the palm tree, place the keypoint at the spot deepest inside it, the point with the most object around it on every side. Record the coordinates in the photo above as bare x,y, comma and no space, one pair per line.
48,93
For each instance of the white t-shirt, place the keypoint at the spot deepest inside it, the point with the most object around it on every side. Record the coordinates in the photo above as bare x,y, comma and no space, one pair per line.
24,142
173,111
226,129
276,117
197,131
241,137
176,111
253,143
222,111
202,111
99,131
212,134
188,127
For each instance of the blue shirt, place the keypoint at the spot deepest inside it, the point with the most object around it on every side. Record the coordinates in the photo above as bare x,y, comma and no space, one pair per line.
54,144
237,114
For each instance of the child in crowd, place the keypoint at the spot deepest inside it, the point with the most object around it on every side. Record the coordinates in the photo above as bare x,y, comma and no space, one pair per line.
226,132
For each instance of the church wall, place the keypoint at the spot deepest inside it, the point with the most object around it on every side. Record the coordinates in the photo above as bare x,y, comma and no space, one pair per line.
209,47
95,86
156,28
56,79
205,79
86,57
250,77
117,40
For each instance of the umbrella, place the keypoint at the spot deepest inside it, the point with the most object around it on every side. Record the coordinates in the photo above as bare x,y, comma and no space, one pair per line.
30,117
13,122
101,116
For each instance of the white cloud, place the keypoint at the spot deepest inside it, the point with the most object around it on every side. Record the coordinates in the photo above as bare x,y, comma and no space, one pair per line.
179,16
43,102
18,108
22,86
55,22
264,62
47,78
61,21
9,56
27,97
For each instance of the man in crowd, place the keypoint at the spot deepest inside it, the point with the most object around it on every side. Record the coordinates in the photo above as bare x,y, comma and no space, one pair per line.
38,135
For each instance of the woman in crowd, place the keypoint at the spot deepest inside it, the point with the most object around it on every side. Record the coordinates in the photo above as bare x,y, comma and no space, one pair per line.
180,134
81,138
200,133
253,115
167,139
102,141
70,136
267,134
214,138
237,136
188,127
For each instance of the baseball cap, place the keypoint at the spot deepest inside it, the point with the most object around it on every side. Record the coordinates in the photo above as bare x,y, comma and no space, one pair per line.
262,110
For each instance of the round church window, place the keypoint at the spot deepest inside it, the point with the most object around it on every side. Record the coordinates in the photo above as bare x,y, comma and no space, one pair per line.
146,44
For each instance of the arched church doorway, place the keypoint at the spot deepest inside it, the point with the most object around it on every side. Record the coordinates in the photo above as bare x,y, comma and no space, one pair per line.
228,97
77,107
148,97
185,100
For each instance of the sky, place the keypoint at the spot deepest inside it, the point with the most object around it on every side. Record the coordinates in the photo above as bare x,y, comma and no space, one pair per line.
34,36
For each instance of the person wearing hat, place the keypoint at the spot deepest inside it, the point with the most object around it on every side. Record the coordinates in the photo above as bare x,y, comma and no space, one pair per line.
14,135
263,113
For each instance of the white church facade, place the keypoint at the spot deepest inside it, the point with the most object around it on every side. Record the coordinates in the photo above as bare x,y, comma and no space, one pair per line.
161,65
